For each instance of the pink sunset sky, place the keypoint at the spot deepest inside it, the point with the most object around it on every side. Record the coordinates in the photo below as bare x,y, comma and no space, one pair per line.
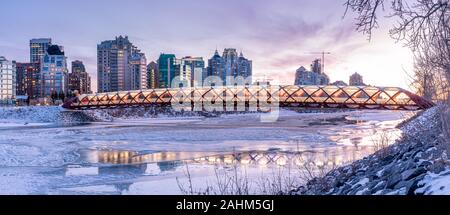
276,34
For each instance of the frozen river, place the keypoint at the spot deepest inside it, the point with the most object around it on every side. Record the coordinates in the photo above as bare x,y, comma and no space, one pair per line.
41,154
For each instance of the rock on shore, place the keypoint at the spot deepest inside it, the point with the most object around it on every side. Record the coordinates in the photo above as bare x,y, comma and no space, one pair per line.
416,164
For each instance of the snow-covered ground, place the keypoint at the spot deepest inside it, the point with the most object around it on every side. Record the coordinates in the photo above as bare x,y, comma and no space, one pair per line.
436,184
44,150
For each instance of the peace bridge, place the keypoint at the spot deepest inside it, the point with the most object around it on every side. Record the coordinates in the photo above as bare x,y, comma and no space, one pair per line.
260,97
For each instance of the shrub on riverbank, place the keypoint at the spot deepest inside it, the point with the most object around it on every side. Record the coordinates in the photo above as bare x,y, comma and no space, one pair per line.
445,119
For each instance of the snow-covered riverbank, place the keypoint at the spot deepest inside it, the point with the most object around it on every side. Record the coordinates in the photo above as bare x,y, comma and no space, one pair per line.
416,164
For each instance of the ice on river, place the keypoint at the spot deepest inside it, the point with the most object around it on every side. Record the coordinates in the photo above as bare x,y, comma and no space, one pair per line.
44,150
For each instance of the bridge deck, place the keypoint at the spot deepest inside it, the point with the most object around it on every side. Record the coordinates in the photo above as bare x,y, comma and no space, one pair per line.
259,96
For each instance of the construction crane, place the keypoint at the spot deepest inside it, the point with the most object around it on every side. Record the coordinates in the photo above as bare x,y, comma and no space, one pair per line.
323,53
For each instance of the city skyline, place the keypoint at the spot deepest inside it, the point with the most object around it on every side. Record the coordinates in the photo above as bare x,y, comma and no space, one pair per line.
276,36
268,99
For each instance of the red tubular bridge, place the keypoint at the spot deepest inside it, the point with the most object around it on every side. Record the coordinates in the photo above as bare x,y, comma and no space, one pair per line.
365,97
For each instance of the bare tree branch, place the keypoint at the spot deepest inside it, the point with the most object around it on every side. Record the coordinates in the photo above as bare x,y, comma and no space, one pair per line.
367,14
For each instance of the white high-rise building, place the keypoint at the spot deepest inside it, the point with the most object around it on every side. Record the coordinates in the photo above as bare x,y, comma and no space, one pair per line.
197,69
7,81
183,71
137,78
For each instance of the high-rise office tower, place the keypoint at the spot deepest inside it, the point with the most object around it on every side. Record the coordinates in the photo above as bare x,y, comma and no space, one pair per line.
216,66
244,68
53,75
356,80
230,57
27,79
313,77
38,48
152,75
230,65
166,63
183,72
120,66
79,79
197,68
137,78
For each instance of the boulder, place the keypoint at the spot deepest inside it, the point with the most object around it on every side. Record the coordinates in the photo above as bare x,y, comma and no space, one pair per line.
411,173
393,180
405,184
424,163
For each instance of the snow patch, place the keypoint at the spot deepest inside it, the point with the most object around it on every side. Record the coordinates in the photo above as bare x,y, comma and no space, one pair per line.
362,182
435,184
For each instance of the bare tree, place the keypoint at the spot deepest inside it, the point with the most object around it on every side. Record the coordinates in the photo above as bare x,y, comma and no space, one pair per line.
424,27
429,81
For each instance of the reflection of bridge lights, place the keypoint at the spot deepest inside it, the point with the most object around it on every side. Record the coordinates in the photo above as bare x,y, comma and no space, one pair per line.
228,160
299,162
263,161
211,159
319,159
124,154
319,163
281,161
245,161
